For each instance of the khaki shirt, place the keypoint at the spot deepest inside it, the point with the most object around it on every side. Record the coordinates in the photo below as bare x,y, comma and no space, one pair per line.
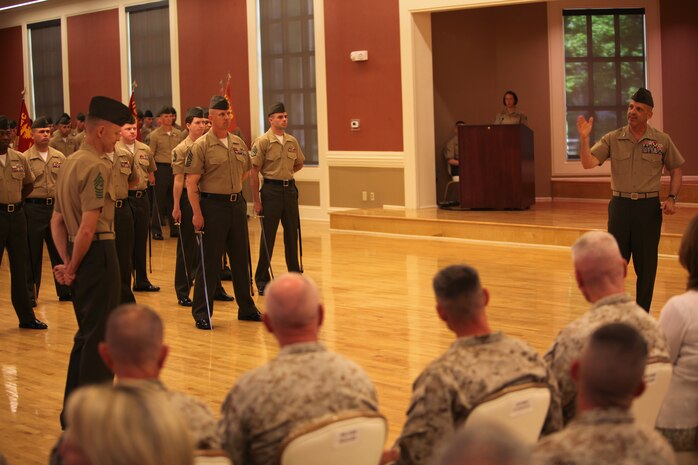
13,176
636,165
453,384
79,139
162,143
144,163
83,185
179,154
66,146
604,436
504,117
274,160
619,308
45,172
304,382
122,173
450,151
221,168
145,134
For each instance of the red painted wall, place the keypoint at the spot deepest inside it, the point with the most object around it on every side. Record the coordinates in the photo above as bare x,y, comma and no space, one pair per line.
680,75
213,43
12,75
370,91
93,58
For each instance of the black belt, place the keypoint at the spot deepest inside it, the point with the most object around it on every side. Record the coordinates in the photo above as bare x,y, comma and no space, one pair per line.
225,197
137,194
98,236
280,182
10,207
46,201
118,203
636,195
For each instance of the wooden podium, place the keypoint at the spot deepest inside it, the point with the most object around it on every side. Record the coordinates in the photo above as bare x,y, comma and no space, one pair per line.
496,167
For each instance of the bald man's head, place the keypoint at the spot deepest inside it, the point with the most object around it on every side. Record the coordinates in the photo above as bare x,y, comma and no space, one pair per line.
293,305
134,336
598,262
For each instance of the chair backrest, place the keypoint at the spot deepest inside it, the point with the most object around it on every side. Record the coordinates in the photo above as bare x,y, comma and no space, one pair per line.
348,438
657,378
211,457
520,409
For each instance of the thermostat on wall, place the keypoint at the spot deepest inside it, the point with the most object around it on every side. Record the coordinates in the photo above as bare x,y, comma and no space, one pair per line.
359,55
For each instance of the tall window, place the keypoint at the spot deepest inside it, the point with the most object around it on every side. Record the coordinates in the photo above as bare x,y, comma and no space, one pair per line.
46,68
288,67
149,55
604,65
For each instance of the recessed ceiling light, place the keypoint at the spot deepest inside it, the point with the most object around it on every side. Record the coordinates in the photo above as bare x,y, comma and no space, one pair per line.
21,4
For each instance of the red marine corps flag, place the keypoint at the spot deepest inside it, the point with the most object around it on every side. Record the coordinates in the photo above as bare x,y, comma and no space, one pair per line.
24,133
134,112
233,123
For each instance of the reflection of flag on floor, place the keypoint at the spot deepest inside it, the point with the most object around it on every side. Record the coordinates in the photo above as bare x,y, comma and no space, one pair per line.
24,132
134,112
233,123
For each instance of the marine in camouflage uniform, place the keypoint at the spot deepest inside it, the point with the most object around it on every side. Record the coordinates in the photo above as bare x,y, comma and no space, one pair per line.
452,385
570,341
604,436
304,382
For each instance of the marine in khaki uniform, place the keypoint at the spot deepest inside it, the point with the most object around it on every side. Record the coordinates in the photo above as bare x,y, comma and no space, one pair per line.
162,141
187,252
600,271
479,363
45,162
123,177
64,141
215,168
79,129
451,152
16,183
277,155
609,375
304,382
147,126
83,231
638,154
139,203
510,115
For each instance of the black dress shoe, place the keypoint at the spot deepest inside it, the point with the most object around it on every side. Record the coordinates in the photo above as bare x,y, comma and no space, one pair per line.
223,297
158,237
226,274
65,298
203,324
174,233
147,287
184,302
34,324
260,289
251,316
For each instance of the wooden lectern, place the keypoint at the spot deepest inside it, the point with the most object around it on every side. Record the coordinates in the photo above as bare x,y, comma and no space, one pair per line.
496,166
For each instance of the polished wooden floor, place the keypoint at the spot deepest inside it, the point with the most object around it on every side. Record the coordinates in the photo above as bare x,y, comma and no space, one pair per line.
380,313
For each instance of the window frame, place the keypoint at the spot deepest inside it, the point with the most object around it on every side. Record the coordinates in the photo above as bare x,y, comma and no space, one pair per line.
561,166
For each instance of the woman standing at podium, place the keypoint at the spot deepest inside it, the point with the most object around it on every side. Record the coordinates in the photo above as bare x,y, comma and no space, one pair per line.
510,115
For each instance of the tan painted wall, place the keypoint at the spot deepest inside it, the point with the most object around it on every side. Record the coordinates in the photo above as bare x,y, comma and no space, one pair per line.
308,193
347,184
480,53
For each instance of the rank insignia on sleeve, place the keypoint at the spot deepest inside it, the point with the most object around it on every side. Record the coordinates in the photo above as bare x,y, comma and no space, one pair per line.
253,153
190,157
99,186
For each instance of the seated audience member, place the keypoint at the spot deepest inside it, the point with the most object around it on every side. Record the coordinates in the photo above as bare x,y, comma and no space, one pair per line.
510,115
133,348
678,418
451,152
489,445
600,271
479,363
608,375
304,382
123,425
